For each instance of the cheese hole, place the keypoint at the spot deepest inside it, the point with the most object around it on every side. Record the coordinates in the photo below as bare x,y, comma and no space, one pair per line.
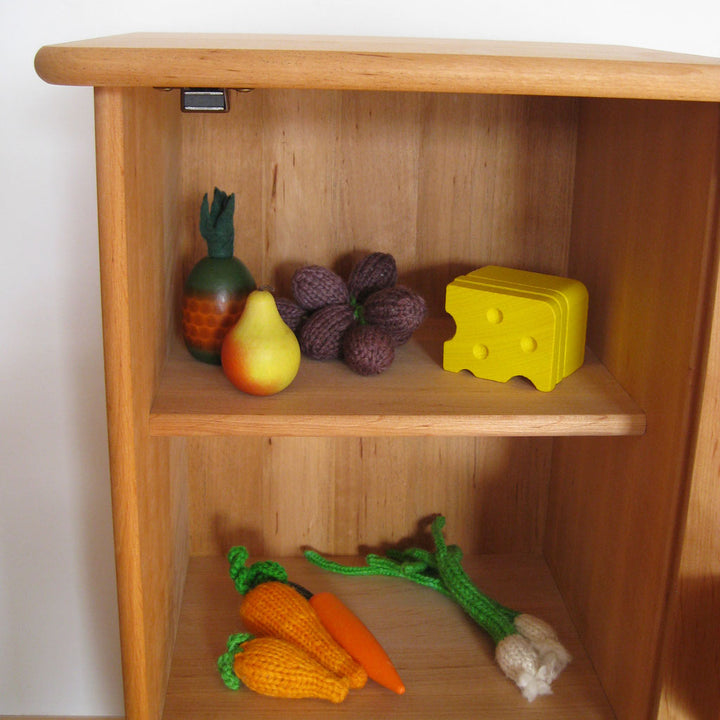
480,351
494,316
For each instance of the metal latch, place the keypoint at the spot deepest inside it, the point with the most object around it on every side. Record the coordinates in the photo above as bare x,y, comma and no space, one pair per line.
212,100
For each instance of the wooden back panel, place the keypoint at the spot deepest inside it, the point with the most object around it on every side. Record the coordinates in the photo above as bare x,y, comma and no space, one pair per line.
346,495
446,183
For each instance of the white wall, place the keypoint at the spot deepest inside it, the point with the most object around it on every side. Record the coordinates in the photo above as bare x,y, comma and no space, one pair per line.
58,631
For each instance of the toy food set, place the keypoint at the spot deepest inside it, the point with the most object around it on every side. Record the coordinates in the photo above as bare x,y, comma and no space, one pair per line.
516,322
301,645
361,321
508,322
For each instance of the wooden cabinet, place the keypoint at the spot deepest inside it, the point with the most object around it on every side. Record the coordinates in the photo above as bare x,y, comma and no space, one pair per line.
594,505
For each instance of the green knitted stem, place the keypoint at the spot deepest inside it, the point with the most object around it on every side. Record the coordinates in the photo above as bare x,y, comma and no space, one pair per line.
442,571
491,616
217,225
358,310
246,578
378,565
226,660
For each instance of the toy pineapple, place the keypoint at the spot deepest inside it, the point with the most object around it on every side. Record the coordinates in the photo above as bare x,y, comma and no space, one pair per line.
216,289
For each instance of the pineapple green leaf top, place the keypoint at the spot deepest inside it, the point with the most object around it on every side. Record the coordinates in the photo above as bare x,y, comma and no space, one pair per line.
216,224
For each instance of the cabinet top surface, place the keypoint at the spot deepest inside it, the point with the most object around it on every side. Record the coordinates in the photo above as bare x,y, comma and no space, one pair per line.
361,63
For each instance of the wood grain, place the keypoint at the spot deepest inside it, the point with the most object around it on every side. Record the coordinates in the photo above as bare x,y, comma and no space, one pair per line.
278,495
690,661
379,64
643,204
326,177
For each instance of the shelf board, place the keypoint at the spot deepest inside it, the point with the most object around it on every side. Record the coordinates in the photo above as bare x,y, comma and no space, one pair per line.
415,396
366,63
444,659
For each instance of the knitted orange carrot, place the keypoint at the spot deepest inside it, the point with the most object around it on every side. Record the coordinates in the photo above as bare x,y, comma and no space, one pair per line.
273,608
272,666
352,634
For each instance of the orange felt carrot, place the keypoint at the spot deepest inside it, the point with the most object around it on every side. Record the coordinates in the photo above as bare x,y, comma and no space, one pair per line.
278,610
352,634
275,667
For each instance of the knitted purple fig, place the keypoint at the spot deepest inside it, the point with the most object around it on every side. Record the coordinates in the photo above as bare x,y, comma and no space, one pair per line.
368,350
397,310
314,287
321,335
375,272
291,313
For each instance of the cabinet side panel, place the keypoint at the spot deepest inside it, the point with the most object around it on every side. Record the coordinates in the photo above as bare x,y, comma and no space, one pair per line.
640,244
691,660
135,191
444,182
112,226
344,495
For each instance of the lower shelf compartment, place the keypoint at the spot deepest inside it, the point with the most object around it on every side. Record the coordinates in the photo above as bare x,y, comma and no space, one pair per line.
444,659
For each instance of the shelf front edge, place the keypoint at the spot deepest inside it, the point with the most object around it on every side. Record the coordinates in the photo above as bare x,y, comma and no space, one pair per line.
379,64
164,424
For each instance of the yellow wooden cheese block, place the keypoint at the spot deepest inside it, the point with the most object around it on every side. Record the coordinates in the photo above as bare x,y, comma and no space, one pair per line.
516,323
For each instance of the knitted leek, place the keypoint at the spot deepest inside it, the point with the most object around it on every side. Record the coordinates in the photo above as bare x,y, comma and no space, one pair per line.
526,648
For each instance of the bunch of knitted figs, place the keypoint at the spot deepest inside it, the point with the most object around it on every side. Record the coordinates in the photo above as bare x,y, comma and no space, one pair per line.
360,321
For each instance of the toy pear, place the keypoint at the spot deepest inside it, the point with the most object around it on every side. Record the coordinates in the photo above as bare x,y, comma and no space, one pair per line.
260,354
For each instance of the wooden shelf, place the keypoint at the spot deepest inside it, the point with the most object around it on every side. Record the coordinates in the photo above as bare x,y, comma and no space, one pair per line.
360,63
517,154
415,396
445,660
